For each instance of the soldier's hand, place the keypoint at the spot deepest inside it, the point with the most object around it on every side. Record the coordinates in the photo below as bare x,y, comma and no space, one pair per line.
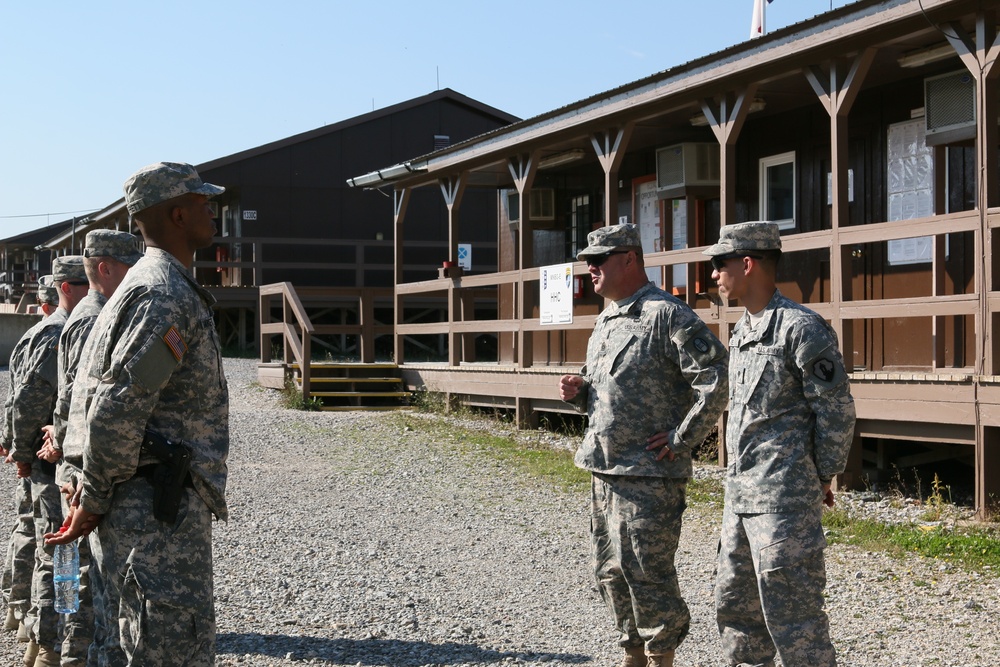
828,498
661,441
79,523
569,386
49,453
48,434
23,469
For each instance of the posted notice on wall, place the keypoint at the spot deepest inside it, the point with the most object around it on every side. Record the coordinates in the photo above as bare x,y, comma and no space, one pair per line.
555,303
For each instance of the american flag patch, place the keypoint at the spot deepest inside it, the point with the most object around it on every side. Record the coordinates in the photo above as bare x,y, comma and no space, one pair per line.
174,341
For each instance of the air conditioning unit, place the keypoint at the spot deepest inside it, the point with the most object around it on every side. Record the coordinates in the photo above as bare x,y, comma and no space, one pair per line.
684,165
950,107
541,205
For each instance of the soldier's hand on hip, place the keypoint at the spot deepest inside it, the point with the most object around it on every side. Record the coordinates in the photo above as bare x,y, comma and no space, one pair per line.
828,498
661,441
569,386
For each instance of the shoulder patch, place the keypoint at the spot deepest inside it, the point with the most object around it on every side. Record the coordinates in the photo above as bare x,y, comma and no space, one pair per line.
175,342
701,345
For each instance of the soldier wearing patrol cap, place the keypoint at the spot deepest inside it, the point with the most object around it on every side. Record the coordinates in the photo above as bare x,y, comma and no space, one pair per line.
33,402
654,384
152,386
791,422
107,257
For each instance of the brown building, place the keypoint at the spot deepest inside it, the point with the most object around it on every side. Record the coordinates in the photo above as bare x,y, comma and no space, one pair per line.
869,133
288,214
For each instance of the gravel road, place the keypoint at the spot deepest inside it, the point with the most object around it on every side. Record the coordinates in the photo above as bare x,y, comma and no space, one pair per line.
354,540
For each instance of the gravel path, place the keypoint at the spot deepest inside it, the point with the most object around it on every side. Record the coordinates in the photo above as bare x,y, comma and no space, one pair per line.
355,541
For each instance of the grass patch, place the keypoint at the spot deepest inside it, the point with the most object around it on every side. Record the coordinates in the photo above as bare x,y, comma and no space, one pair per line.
706,491
972,547
292,398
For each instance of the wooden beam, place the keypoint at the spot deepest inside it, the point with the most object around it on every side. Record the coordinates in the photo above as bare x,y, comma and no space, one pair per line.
726,118
400,200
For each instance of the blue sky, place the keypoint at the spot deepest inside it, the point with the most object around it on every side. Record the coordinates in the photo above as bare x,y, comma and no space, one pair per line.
91,91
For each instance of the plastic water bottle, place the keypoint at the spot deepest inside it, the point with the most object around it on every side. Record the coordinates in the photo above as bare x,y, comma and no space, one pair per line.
66,576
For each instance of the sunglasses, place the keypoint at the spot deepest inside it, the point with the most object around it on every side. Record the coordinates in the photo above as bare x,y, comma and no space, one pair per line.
597,260
719,261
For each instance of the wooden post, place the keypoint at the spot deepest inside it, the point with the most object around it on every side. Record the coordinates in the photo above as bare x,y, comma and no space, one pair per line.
523,168
400,199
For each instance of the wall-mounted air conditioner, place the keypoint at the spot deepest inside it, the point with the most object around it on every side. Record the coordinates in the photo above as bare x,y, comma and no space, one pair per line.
684,165
950,107
541,205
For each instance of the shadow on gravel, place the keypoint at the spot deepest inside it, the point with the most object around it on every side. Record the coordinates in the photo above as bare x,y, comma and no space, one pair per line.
375,651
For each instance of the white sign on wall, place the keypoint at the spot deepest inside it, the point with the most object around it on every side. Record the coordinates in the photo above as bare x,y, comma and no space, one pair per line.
465,256
555,303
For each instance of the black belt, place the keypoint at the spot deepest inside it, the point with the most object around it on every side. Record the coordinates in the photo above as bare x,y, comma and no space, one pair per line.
149,471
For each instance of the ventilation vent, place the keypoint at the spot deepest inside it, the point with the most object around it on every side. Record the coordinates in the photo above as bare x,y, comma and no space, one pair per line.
441,141
687,164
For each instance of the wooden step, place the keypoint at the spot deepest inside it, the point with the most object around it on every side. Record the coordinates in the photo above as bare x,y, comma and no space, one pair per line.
343,365
360,394
363,408
341,380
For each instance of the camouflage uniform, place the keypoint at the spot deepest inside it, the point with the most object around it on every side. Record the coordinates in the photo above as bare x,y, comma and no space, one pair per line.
652,365
154,362
121,246
20,561
33,401
791,422
78,627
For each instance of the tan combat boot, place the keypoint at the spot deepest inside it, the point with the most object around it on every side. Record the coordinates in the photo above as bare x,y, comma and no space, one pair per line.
30,653
635,656
47,657
661,660
11,622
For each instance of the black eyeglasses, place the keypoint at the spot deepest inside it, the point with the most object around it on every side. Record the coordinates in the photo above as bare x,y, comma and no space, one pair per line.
597,260
719,261
77,283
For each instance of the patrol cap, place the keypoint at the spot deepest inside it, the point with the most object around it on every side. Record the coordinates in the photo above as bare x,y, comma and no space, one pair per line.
114,244
608,239
162,181
68,268
746,237
47,292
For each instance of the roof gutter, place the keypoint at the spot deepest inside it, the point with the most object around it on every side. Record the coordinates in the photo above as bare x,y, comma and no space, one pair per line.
388,175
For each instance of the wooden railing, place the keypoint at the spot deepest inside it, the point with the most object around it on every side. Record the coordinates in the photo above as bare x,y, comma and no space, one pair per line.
933,305
297,329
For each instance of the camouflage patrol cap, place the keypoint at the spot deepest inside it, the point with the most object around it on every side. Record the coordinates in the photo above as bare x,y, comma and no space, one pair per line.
47,292
114,244
607,239
68,268
746,237
162,181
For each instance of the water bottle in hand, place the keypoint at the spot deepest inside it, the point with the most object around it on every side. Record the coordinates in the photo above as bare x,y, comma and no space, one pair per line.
66,576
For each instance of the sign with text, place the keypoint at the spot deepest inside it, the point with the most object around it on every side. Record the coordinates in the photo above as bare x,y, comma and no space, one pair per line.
465,256
555,303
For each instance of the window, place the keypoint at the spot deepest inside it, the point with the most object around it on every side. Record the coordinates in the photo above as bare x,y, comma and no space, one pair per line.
581,223
777,189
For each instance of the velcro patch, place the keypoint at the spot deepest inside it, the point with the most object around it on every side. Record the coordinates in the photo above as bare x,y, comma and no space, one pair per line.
175,342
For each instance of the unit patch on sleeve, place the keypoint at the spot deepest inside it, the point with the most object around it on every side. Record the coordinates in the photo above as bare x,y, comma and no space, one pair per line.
175,342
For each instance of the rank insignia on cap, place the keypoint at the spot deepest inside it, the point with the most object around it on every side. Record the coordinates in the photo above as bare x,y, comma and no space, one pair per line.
174,341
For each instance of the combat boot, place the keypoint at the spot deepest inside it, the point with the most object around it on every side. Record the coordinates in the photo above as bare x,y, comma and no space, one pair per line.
635,656
11,623
30,653
661,660
47,657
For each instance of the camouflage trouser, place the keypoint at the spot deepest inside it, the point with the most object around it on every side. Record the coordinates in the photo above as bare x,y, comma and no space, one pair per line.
20,562
635,527
769,589
156,581
47,506
78,628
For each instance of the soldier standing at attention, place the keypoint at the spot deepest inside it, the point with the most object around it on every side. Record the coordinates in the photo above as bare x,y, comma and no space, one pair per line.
20,562
156,399
34,401
654,384
107,257
791,422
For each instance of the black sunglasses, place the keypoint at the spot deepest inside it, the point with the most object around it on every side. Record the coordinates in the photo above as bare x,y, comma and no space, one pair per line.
597,260
719,261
